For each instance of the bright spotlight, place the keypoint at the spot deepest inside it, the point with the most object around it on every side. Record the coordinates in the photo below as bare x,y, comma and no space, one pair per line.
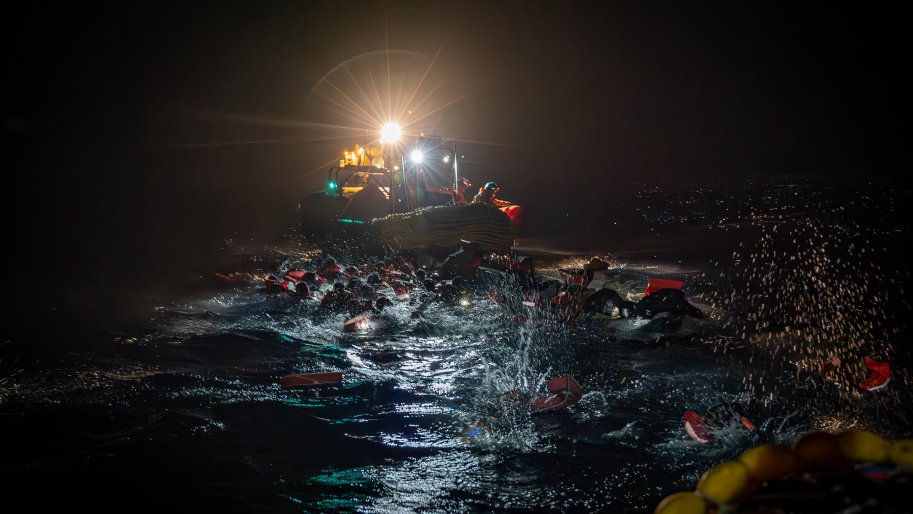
446,158
390,133
416,156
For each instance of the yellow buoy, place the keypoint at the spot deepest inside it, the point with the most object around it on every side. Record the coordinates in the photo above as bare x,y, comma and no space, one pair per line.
862,446
682,503
724,482
769,462
901,453
817,449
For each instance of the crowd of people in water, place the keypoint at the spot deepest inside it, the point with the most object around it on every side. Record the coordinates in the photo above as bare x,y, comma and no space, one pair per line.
362,293
513,284
365,291
468,275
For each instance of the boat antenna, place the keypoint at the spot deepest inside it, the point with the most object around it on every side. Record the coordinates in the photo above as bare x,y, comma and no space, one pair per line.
456,170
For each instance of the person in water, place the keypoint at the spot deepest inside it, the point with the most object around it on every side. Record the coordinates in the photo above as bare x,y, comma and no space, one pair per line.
487,196
524,272
668,300
337,298
727,414
462,263
595,264
609,302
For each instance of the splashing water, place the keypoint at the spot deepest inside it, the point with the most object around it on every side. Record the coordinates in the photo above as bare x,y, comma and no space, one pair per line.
191,404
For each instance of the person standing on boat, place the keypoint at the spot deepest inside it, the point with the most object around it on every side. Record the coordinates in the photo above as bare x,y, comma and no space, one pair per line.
487,196
459,196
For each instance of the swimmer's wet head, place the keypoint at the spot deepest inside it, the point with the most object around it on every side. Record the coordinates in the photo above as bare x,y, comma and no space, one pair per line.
461,283
380,303
354,284
300,289
596,263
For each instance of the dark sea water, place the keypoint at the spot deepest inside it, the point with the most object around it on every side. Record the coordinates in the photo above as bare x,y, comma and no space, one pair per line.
166,395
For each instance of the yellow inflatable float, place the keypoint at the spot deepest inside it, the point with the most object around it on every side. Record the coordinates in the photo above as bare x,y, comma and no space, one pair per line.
818,470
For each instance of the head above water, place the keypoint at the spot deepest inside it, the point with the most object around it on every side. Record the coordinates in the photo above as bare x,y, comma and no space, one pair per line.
527,266
382,302
300,289
596,263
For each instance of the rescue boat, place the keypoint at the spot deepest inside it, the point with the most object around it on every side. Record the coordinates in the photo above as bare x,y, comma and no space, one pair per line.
411,197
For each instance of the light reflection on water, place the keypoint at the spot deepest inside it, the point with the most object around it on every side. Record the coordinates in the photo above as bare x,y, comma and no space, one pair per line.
439,398
420,422
436,385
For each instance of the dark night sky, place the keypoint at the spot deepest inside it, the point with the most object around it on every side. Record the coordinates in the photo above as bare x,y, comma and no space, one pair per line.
96,95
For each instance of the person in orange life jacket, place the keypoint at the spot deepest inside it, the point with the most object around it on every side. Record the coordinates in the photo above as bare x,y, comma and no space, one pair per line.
487,196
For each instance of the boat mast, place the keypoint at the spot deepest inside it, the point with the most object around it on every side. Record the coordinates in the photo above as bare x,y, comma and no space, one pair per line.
456,171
